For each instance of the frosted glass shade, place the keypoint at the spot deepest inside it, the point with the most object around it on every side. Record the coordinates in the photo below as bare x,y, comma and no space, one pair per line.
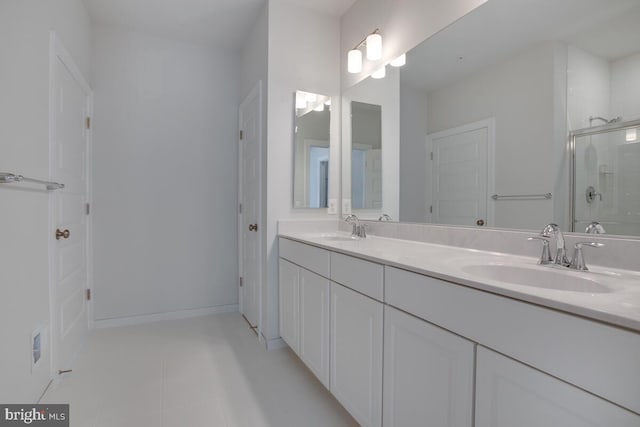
301,101
380,73
354,61
374,47
399,61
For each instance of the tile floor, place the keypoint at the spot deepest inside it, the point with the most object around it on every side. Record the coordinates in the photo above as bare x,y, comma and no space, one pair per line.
205,371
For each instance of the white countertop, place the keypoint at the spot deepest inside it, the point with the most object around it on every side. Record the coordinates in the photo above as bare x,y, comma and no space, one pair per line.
620,307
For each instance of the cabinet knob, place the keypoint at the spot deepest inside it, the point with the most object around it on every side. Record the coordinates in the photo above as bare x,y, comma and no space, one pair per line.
253,227
480,222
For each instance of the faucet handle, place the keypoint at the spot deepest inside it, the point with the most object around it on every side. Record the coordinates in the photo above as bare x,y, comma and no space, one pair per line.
546,257
578,262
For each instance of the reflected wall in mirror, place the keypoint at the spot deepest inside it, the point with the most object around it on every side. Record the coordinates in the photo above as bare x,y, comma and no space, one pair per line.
366,156
487,104
606,188
370,130
311,150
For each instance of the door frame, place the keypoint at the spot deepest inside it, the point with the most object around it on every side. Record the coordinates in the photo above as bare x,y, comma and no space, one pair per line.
256,92
58,51
490,125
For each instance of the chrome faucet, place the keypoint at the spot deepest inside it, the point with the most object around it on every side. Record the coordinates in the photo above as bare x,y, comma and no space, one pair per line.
355,224
595,228
358,230
384,217
552,230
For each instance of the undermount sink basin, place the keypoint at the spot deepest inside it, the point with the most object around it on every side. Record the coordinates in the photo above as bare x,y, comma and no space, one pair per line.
542,277
340,238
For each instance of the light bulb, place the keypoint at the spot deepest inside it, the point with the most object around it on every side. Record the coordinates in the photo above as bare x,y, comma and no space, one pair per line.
632,135
301,102
399,61
374,47
379,73
354,61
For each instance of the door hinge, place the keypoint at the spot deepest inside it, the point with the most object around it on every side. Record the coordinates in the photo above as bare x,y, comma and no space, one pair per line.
88,294
431,209
241,282
88,122
87,208
241,135
240,208
431,155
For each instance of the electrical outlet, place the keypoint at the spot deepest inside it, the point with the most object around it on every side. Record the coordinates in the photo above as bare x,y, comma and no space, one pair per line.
333,207
346,206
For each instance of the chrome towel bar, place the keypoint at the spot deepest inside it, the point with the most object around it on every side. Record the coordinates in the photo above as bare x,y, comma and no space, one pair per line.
7,178
546,196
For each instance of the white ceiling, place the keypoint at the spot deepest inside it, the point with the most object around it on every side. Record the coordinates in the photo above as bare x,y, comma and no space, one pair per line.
500,28
223,23
331,7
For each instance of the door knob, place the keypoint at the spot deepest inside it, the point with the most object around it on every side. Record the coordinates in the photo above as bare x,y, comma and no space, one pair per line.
253,227
62,234
480,222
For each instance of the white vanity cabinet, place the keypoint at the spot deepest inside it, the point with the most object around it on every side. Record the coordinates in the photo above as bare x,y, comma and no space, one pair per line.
444,349
314,324
509,393
304,305
428,374
356,354
289,291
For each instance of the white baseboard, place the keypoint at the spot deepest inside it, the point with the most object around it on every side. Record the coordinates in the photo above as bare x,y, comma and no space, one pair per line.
172,315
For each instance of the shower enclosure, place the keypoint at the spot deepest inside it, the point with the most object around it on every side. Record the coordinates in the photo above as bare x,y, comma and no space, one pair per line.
605,177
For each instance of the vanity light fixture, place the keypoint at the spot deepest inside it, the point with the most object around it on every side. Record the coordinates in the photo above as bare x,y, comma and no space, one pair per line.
399,61
380,73
373,44
632,135
354,61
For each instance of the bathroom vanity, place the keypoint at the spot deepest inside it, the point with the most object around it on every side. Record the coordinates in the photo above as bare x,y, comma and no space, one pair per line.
406,333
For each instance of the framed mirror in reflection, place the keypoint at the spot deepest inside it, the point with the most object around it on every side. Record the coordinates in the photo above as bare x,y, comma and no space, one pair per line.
311,150
486,106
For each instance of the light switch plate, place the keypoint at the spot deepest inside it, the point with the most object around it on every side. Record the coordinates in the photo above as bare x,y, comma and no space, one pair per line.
333,207
346,206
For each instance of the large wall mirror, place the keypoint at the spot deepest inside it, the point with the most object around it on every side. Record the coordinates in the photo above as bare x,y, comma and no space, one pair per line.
311,150
485,108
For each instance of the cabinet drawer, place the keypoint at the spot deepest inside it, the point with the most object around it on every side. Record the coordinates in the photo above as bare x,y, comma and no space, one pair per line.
307,256
363,276
593,356
509,394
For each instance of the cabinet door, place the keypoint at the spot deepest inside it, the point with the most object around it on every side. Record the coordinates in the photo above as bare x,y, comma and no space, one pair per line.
356,354
428,374
314,323
289,303
509,394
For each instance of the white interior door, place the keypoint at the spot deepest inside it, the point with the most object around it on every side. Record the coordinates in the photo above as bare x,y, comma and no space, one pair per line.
460,159
70,104
250,227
